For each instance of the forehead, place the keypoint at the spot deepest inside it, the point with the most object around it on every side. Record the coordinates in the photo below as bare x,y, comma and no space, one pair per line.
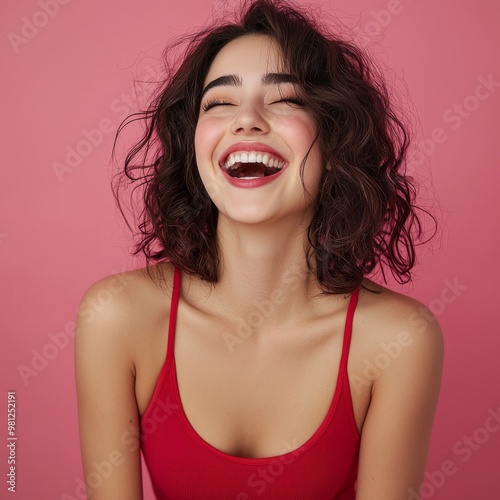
247,55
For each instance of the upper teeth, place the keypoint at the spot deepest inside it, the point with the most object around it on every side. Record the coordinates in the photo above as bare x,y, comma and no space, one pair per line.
269,160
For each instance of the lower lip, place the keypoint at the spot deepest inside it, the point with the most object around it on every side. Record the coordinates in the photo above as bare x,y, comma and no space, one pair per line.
251,183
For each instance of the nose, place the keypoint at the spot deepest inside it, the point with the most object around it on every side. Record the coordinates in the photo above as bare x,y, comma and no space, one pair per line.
250,119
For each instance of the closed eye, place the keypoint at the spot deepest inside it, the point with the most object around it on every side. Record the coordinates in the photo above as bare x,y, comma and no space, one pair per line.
214,102
296,101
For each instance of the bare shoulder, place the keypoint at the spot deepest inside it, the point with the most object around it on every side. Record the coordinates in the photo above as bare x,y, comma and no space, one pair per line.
120,306
395,338
112,327
123,289
400,346
385,316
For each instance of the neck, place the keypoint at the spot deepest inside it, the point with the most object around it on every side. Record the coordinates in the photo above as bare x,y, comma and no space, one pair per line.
263,276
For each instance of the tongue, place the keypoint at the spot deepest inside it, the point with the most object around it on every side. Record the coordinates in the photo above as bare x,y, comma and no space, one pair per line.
251,170
248,170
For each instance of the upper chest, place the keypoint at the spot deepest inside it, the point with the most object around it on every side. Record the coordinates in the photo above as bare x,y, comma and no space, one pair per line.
247,394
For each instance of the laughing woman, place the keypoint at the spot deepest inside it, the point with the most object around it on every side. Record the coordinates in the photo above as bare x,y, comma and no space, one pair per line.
237,360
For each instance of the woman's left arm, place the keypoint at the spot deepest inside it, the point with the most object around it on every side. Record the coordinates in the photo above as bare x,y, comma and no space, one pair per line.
397,429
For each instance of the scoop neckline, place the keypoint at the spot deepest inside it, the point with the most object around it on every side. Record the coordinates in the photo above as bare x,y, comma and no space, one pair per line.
193,433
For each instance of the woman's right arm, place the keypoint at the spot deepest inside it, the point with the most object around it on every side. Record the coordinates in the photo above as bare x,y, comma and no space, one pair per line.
107,407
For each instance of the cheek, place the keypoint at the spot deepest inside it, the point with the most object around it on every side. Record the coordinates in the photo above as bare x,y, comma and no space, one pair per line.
206,138
302,136
298,131
205,142
313,169
305,121
199,142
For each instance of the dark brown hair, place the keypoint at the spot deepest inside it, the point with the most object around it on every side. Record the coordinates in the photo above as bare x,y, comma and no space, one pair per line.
364,214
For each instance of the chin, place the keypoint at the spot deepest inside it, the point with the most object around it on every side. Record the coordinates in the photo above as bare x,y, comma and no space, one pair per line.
253,217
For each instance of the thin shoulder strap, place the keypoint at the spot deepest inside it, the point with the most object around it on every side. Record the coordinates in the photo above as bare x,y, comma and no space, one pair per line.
173,313
348,329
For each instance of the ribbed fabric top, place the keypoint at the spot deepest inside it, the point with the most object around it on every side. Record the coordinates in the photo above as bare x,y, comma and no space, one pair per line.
183,466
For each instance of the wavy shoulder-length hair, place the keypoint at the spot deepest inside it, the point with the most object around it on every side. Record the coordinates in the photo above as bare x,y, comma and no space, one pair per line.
364,214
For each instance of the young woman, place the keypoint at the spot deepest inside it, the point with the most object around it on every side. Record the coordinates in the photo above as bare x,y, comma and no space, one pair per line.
254,359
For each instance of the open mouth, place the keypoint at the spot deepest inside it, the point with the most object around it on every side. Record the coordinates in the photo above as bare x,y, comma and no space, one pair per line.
252,164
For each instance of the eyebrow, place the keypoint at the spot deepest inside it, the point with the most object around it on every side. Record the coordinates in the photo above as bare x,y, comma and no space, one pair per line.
236,81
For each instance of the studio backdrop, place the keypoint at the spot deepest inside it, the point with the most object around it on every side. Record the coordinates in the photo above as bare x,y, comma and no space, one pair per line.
73,70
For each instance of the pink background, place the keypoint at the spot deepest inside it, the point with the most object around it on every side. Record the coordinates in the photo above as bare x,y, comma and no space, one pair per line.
60,234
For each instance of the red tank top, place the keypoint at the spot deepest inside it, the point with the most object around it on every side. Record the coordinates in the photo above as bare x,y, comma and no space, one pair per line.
183,466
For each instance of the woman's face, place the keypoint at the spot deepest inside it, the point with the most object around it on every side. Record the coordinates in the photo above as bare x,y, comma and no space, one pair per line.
252,135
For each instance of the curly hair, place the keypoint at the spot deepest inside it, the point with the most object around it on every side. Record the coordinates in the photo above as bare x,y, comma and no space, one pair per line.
364,215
